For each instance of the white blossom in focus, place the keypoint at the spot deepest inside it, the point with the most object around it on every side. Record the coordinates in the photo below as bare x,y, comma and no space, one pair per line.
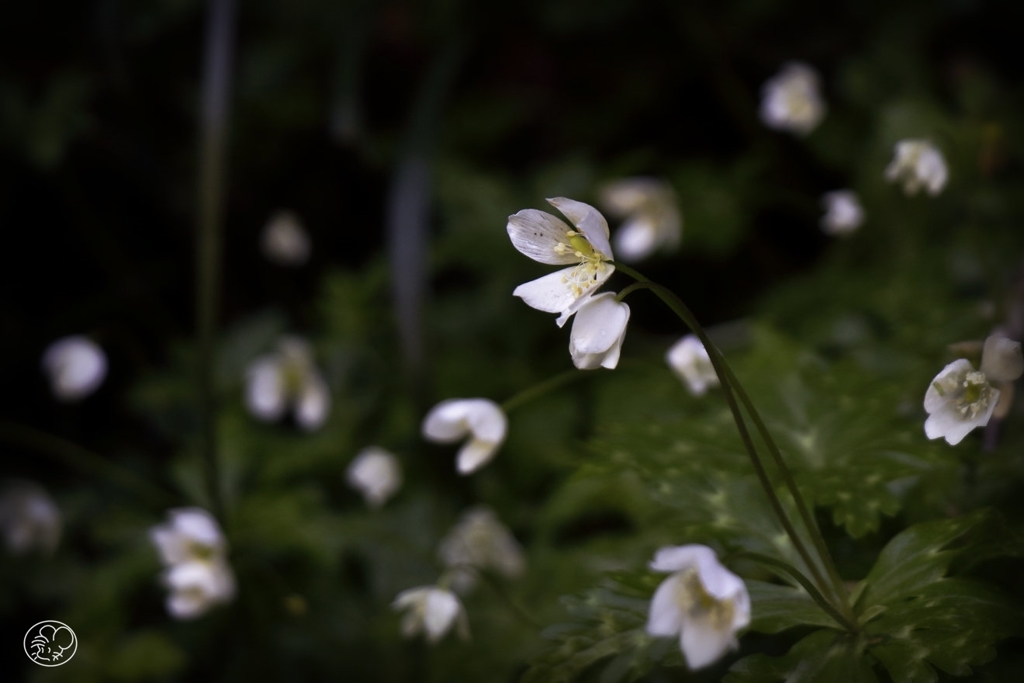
481,419
651,213
598,332
690,361
288,380
918,164
29,519
790,100
548,239
480,541
961,398
702,603
432,611
376,474
76,366
194,552
285,241
843,212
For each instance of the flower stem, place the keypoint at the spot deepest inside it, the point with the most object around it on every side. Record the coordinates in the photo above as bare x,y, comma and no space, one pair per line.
538,390
729,382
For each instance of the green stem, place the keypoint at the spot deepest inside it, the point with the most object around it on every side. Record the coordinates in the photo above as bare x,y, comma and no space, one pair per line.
729,381
538,390
84,460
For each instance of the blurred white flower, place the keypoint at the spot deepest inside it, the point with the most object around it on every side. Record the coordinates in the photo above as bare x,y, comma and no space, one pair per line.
432,611
29,519
790,100
703,603
194,551
690,361
843,212
76,367
376,474
479,418
918,164
961,398
284,241
480,541
548,239
651,213
598,332
288,379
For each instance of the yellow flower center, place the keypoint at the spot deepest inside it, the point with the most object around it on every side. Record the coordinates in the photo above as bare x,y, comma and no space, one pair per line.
592,262
693,599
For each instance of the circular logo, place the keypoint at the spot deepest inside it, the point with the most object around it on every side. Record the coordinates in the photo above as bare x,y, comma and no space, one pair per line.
50,643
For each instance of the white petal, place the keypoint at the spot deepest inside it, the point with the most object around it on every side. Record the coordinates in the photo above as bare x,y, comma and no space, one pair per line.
1001,360
313,403
598,332
702,644
264,390
587,220
197,525
474,455
636,239
940,391
629,195
376,474
719,582
537,234
76,367
679,557
454,418
440,612
665,618
551,293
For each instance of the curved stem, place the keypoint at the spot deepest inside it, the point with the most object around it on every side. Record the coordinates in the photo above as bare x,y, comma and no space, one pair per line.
538,390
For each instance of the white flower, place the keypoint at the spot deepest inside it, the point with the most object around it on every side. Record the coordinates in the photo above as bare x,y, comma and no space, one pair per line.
790,100
690,361
376,474
284,241
703,603
548,239
76,367
286,380
433,611
961,398
29,518
480,541
479,418
918,164
598,332
843,212
194,551
652,216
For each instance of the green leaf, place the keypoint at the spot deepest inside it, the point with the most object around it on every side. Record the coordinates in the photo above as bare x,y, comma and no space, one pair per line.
775,608
821,656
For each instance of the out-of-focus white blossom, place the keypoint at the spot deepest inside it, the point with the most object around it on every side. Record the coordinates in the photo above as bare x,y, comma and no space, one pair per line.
431,611
29,519
690,361
548,239
285,241
790,100
702,603
651,213
843,212
961,398
918,164
598,332
480,541
76,366
376,474
194,552
288,379
481,419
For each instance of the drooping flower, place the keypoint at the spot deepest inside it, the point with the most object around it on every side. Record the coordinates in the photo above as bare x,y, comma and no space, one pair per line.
548,239
961,398
702,603
843,212
376,474
479,418
480,541
651,213
194,552
918,164
690,361
598,332
288,379
76,367
284,241
432,611
29,519
790,100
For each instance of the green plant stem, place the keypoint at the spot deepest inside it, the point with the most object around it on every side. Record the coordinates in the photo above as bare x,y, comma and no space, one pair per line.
84,460
538,390
729,382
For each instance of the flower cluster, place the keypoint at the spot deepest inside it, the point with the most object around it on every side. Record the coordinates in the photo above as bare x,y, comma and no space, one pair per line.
432,611
843,212
651,212
480,541
790,100
481,419
918,165
288,380
376,474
